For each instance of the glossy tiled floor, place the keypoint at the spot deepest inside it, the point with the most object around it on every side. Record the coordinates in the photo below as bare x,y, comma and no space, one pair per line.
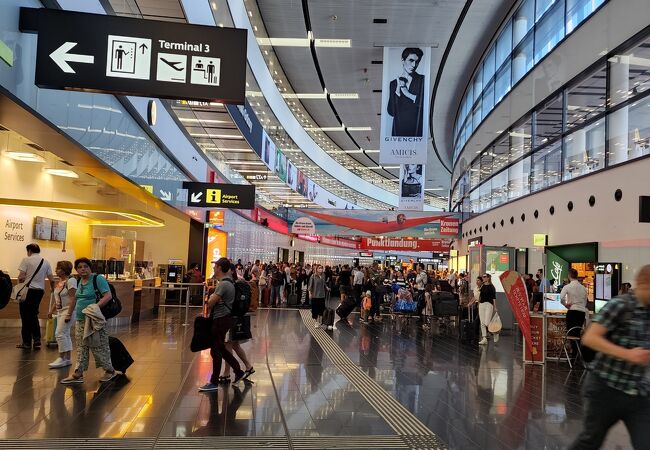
386,385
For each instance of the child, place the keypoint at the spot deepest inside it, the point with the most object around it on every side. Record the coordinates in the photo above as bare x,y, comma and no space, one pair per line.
366,304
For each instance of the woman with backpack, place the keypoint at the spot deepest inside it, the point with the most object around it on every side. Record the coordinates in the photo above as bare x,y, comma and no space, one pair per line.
93,292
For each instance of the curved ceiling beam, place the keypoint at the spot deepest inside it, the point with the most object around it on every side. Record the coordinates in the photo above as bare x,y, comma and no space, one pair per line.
288,120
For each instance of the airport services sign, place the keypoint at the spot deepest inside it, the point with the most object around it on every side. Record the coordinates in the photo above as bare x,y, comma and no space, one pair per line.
123,55
215,195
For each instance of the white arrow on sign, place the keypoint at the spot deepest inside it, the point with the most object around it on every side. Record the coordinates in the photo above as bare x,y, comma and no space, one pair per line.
196,197
61,57
164,195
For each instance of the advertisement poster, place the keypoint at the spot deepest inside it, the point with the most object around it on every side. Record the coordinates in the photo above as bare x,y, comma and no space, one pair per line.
517,295
405,105
281,165
268,151
314,191
302,184
555,331
370,223
215,249
535,352
415,245
556,268
411,197
292,176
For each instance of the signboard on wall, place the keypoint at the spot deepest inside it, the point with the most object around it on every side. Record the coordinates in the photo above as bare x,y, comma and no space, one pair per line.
215,249
123,55
216,195
405,105
415,245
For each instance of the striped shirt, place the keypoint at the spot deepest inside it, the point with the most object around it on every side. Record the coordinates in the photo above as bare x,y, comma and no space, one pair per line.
628,325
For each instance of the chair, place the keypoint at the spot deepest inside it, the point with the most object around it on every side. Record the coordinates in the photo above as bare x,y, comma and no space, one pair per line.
569,337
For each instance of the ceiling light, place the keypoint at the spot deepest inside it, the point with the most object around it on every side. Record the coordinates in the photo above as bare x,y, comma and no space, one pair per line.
61,172
332,42
25,156
346,96
185,119
284,42
359,128
353,151
371,151
434,189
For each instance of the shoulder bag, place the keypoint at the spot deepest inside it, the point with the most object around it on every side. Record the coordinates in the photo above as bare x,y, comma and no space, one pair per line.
19,293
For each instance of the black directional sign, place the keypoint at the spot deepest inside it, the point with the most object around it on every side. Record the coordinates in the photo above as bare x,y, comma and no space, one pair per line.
215,195
119,55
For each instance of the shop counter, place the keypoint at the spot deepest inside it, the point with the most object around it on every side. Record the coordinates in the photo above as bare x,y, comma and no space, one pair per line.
10,314
547,331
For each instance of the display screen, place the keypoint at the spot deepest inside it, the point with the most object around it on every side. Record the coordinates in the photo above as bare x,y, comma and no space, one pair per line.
59,230
42,228
552,304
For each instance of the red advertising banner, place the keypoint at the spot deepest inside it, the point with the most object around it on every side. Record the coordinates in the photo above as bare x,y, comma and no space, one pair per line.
534,353
338,242
515,289
415,245
449,227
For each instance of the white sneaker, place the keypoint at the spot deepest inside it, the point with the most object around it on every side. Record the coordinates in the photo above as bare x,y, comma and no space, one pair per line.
59,362
317,325
496,338
483,341
330,327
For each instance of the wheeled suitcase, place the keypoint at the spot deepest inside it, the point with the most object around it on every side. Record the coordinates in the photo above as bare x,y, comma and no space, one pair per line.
346,307
328,317
120,356
50,332
292,298
468,330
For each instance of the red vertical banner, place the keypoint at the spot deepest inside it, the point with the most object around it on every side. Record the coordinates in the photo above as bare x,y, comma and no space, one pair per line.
515,289
535,353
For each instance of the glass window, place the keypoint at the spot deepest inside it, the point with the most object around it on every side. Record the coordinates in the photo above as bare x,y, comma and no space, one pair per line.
468,130
520,140
579,10
486,165
475,174
500,188
549,31
629,132
542,6
522,59
518,179
488,66
627,79
548,121
523,21
546,167
504,44
485,194
476,115
586,98
488,99
474,201
584,151
464,109
501,153
478,85
502,83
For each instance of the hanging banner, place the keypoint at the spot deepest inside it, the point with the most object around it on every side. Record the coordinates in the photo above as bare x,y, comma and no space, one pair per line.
415,245
361,222
411,196
281,165
405,105
268,151
515,290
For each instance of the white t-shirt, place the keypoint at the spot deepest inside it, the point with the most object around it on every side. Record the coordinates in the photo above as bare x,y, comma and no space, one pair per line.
574,294
61,298
29,265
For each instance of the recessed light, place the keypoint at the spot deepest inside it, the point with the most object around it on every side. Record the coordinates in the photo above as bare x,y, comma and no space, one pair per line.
25,156
61,172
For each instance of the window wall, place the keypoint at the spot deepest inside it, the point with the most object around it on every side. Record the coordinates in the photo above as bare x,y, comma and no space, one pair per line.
525,38
598,120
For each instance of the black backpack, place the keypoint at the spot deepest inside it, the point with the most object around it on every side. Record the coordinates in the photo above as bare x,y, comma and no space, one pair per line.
5,289
242,301
114,306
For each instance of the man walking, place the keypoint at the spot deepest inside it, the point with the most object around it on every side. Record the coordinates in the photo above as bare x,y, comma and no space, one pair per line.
220,304
618,387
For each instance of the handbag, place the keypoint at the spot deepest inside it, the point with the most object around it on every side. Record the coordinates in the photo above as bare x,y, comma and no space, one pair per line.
113,307
19,293
495,324
241,331
202,338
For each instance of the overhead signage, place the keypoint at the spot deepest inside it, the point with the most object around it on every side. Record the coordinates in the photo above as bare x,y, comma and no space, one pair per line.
415,245
366,254
255,176
369,223
475,241
405,105
540,240
391,257
215,195
216,219
123,55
